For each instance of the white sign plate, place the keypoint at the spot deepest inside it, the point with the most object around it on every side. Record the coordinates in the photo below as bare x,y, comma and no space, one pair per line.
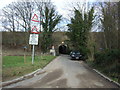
33,39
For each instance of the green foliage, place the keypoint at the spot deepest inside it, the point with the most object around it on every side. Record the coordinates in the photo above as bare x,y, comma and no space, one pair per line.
51,20
108,61
107,57
80,28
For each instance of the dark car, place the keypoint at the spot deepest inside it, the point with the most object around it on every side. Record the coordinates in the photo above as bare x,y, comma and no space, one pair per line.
75,55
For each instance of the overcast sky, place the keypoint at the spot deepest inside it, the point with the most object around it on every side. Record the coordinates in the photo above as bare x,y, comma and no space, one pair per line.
59,3
63,6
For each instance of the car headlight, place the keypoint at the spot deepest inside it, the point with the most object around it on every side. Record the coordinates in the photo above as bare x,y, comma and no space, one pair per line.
73,55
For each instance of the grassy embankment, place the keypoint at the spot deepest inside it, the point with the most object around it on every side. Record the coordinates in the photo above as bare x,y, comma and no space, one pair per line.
103,71
15,66
108,63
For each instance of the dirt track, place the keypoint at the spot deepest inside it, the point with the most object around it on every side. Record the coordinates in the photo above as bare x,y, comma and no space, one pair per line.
65,73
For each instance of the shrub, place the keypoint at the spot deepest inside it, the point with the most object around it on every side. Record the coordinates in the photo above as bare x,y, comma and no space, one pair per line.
107,57
99,58
108,61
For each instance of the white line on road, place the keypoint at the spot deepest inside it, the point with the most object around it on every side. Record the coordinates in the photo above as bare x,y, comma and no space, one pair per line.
106,77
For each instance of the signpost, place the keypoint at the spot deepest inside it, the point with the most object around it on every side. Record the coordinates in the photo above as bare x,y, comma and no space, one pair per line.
33,39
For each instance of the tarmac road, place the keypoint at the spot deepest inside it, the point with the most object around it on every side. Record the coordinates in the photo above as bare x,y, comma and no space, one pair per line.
65,73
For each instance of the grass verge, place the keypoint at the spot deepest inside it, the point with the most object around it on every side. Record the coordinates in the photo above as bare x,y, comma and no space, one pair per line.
16,66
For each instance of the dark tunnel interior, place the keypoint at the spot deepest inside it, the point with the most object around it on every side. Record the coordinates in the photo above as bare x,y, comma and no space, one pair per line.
62,49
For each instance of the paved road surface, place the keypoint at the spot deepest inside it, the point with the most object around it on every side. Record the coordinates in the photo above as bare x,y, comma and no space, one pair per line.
65,73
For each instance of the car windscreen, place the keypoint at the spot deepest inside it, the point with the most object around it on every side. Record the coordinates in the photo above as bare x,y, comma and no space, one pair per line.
76,52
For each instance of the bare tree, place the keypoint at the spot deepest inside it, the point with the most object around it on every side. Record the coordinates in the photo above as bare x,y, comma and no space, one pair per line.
9,18
17,16
24,12
119,24
9,22
110,26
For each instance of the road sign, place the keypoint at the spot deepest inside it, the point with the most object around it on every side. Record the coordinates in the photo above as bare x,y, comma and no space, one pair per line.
35,24
35,18
35,30
33,39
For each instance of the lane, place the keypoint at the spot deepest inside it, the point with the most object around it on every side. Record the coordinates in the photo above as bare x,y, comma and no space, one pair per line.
65,73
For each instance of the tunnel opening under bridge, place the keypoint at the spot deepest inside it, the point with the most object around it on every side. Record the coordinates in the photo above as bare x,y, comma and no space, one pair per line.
63,49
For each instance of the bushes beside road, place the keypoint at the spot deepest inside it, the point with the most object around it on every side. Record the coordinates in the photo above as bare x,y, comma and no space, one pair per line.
108,62
107,57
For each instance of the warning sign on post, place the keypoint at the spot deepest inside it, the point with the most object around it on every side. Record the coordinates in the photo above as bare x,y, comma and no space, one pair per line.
33,39
35,30
35,18
35,23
